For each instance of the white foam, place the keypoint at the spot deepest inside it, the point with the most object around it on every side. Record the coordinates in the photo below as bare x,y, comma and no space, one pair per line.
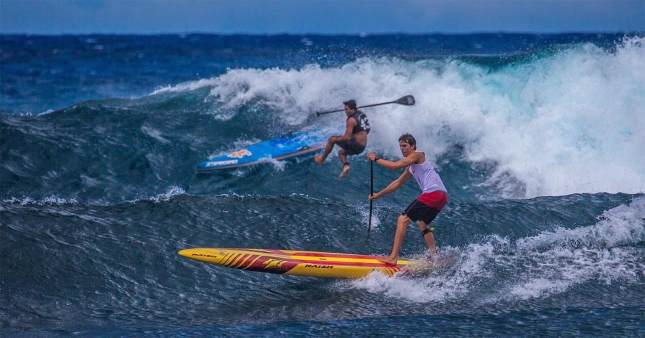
436,287
622,225
155,134
277,165
50,200
539,266
167,196
186,86
365,214
555,261
572,122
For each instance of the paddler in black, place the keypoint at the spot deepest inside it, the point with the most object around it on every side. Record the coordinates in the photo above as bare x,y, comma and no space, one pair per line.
354,140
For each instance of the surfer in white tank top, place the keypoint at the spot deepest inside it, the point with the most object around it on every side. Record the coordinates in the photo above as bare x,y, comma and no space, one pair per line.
426,176
424,208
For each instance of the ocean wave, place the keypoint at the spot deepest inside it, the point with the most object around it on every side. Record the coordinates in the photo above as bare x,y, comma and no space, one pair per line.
547,123
539,266
50,200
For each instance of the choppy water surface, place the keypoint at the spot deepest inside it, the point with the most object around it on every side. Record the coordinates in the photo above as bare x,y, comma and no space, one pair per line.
537,138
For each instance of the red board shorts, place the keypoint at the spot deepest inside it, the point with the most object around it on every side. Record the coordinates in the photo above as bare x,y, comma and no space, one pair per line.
426,207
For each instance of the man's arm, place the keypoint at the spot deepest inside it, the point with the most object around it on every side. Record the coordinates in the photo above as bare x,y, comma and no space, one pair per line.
396,184
402,163
348,130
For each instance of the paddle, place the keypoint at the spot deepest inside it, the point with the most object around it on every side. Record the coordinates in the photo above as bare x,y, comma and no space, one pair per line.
369,222
407,100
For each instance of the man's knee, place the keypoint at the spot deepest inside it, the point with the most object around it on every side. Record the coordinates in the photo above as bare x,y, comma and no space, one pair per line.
404,219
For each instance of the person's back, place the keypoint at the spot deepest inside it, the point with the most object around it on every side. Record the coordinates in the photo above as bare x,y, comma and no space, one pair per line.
362,123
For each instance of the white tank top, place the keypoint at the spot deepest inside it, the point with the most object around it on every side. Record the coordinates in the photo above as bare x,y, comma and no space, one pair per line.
427,177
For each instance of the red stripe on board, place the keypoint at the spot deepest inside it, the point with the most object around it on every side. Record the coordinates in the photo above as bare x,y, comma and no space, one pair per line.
374,265
328,254
290,253
317,254
240,262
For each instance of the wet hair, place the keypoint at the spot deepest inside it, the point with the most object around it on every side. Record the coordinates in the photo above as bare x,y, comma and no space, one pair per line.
409,139
351,104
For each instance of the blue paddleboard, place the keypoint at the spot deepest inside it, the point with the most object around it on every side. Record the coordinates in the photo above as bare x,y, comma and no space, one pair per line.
281,148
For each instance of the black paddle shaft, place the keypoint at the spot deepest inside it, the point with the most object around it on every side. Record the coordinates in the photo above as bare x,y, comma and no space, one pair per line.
407,100
369,222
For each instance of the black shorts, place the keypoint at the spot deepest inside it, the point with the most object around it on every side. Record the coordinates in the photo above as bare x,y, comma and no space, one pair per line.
351,146
418,211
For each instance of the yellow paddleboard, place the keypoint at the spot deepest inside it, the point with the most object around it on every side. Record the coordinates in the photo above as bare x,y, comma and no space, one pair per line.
303,263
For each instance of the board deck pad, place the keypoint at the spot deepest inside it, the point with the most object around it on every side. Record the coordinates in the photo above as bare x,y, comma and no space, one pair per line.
277,149
304,263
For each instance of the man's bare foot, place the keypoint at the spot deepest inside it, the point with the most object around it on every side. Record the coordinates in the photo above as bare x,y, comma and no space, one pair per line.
319,159
387,260
345,171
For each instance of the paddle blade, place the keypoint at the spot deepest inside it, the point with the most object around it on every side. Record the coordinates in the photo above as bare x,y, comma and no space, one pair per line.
406,100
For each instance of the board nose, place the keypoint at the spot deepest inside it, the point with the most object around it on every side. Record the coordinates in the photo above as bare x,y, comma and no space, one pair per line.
209,255
188,252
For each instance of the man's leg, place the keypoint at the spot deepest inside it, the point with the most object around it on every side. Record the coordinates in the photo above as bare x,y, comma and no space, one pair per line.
330,145
428,237
342,155
401,228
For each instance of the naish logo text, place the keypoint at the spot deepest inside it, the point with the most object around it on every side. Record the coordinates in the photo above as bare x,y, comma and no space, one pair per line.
203,255
240,154
316,266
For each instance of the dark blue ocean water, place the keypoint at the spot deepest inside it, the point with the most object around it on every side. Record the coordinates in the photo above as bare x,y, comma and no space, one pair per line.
538,138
